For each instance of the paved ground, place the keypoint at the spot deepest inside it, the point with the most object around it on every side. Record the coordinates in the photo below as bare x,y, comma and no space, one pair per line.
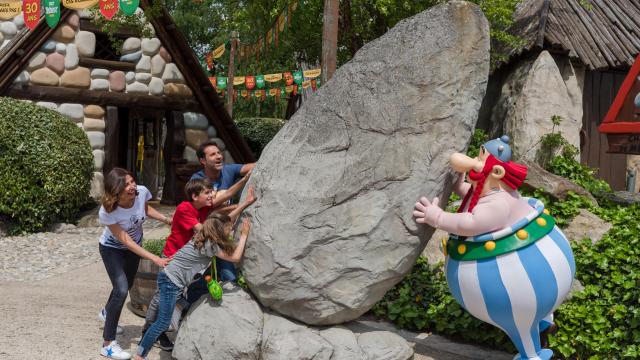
56,318
54,284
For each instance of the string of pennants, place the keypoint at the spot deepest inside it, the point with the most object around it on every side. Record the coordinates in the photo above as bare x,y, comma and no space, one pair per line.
255,85
246,51
33,9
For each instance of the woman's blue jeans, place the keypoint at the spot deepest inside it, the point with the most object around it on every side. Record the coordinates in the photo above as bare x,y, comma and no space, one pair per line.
168,294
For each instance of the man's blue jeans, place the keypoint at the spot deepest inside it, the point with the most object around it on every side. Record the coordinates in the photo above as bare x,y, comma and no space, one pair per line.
226,270
168,294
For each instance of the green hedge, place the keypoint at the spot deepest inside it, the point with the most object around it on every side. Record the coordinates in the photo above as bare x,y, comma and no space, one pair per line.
259,131
46,166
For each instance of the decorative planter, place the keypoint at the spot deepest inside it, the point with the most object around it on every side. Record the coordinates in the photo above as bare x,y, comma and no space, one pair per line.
144,287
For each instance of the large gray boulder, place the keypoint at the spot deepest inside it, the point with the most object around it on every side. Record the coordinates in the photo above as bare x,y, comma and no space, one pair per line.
229,329
533,92
333,227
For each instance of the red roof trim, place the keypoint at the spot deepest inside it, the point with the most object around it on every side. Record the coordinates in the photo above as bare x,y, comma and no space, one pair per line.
614,110
619,127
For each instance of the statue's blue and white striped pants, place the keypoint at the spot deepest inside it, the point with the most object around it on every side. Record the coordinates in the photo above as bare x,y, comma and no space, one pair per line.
516,291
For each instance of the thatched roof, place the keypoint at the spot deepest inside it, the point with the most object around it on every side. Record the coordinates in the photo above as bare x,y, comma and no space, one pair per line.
602,35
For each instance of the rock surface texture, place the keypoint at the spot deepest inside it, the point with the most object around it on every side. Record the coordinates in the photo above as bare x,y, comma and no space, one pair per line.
237,328
333,228
202,335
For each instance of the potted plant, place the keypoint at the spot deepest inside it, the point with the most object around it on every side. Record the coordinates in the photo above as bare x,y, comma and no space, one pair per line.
145,283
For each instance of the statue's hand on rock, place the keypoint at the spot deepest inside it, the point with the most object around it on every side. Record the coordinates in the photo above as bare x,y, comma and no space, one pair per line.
427,212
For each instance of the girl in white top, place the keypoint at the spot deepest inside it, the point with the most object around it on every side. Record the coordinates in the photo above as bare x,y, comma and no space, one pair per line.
124,209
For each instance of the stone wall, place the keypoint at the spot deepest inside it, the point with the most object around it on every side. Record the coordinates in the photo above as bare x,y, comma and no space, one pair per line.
197,131
57,64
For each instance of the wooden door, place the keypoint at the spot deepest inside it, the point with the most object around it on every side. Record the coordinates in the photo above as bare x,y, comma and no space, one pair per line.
600,89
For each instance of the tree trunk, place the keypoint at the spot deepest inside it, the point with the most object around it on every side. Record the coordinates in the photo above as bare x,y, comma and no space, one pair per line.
329,38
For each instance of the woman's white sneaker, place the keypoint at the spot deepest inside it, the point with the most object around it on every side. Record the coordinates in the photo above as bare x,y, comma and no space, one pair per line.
114,351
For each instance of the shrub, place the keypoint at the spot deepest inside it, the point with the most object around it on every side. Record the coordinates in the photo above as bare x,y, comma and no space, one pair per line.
259,131
46,166
154,246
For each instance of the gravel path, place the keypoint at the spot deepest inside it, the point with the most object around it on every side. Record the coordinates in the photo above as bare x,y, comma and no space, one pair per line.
53,286
65,248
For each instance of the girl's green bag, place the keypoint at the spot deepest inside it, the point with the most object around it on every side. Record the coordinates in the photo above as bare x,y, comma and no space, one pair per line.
214,287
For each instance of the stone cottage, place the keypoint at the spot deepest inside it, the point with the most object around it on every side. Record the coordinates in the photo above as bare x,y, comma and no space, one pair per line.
146,106
574,59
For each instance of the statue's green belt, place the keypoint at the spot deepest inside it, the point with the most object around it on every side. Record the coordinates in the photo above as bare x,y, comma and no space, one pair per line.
466,250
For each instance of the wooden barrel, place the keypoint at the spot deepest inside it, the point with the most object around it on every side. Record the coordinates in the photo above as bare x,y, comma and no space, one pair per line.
144,287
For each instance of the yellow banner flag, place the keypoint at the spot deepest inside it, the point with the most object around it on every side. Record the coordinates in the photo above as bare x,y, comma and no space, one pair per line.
306,84
10,9
288,89
244,93
258,93
78,4
269,36
281,22
273,77
238,80
312,73
218,51
273,92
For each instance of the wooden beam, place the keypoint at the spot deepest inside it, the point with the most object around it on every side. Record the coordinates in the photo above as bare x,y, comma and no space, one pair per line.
107,64
103,98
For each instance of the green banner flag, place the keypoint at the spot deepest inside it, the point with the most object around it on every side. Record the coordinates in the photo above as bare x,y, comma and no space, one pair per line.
297,77
129,6
52,12
260,81
222,82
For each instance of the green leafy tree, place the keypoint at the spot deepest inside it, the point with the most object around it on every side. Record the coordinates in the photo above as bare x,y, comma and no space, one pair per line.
209,23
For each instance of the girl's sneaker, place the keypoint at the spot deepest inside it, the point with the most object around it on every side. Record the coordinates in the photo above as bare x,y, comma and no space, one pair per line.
102,316
114,351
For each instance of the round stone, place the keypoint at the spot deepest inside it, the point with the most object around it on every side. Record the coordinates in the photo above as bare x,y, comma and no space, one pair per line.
9,29
86,43
49,46
490,245
131,45
522,234
61,48
541,222
462,248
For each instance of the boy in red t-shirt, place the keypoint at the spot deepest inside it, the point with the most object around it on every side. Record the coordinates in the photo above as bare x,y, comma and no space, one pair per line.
190,214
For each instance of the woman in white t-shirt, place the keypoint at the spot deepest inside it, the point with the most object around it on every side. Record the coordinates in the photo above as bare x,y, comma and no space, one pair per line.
123,211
